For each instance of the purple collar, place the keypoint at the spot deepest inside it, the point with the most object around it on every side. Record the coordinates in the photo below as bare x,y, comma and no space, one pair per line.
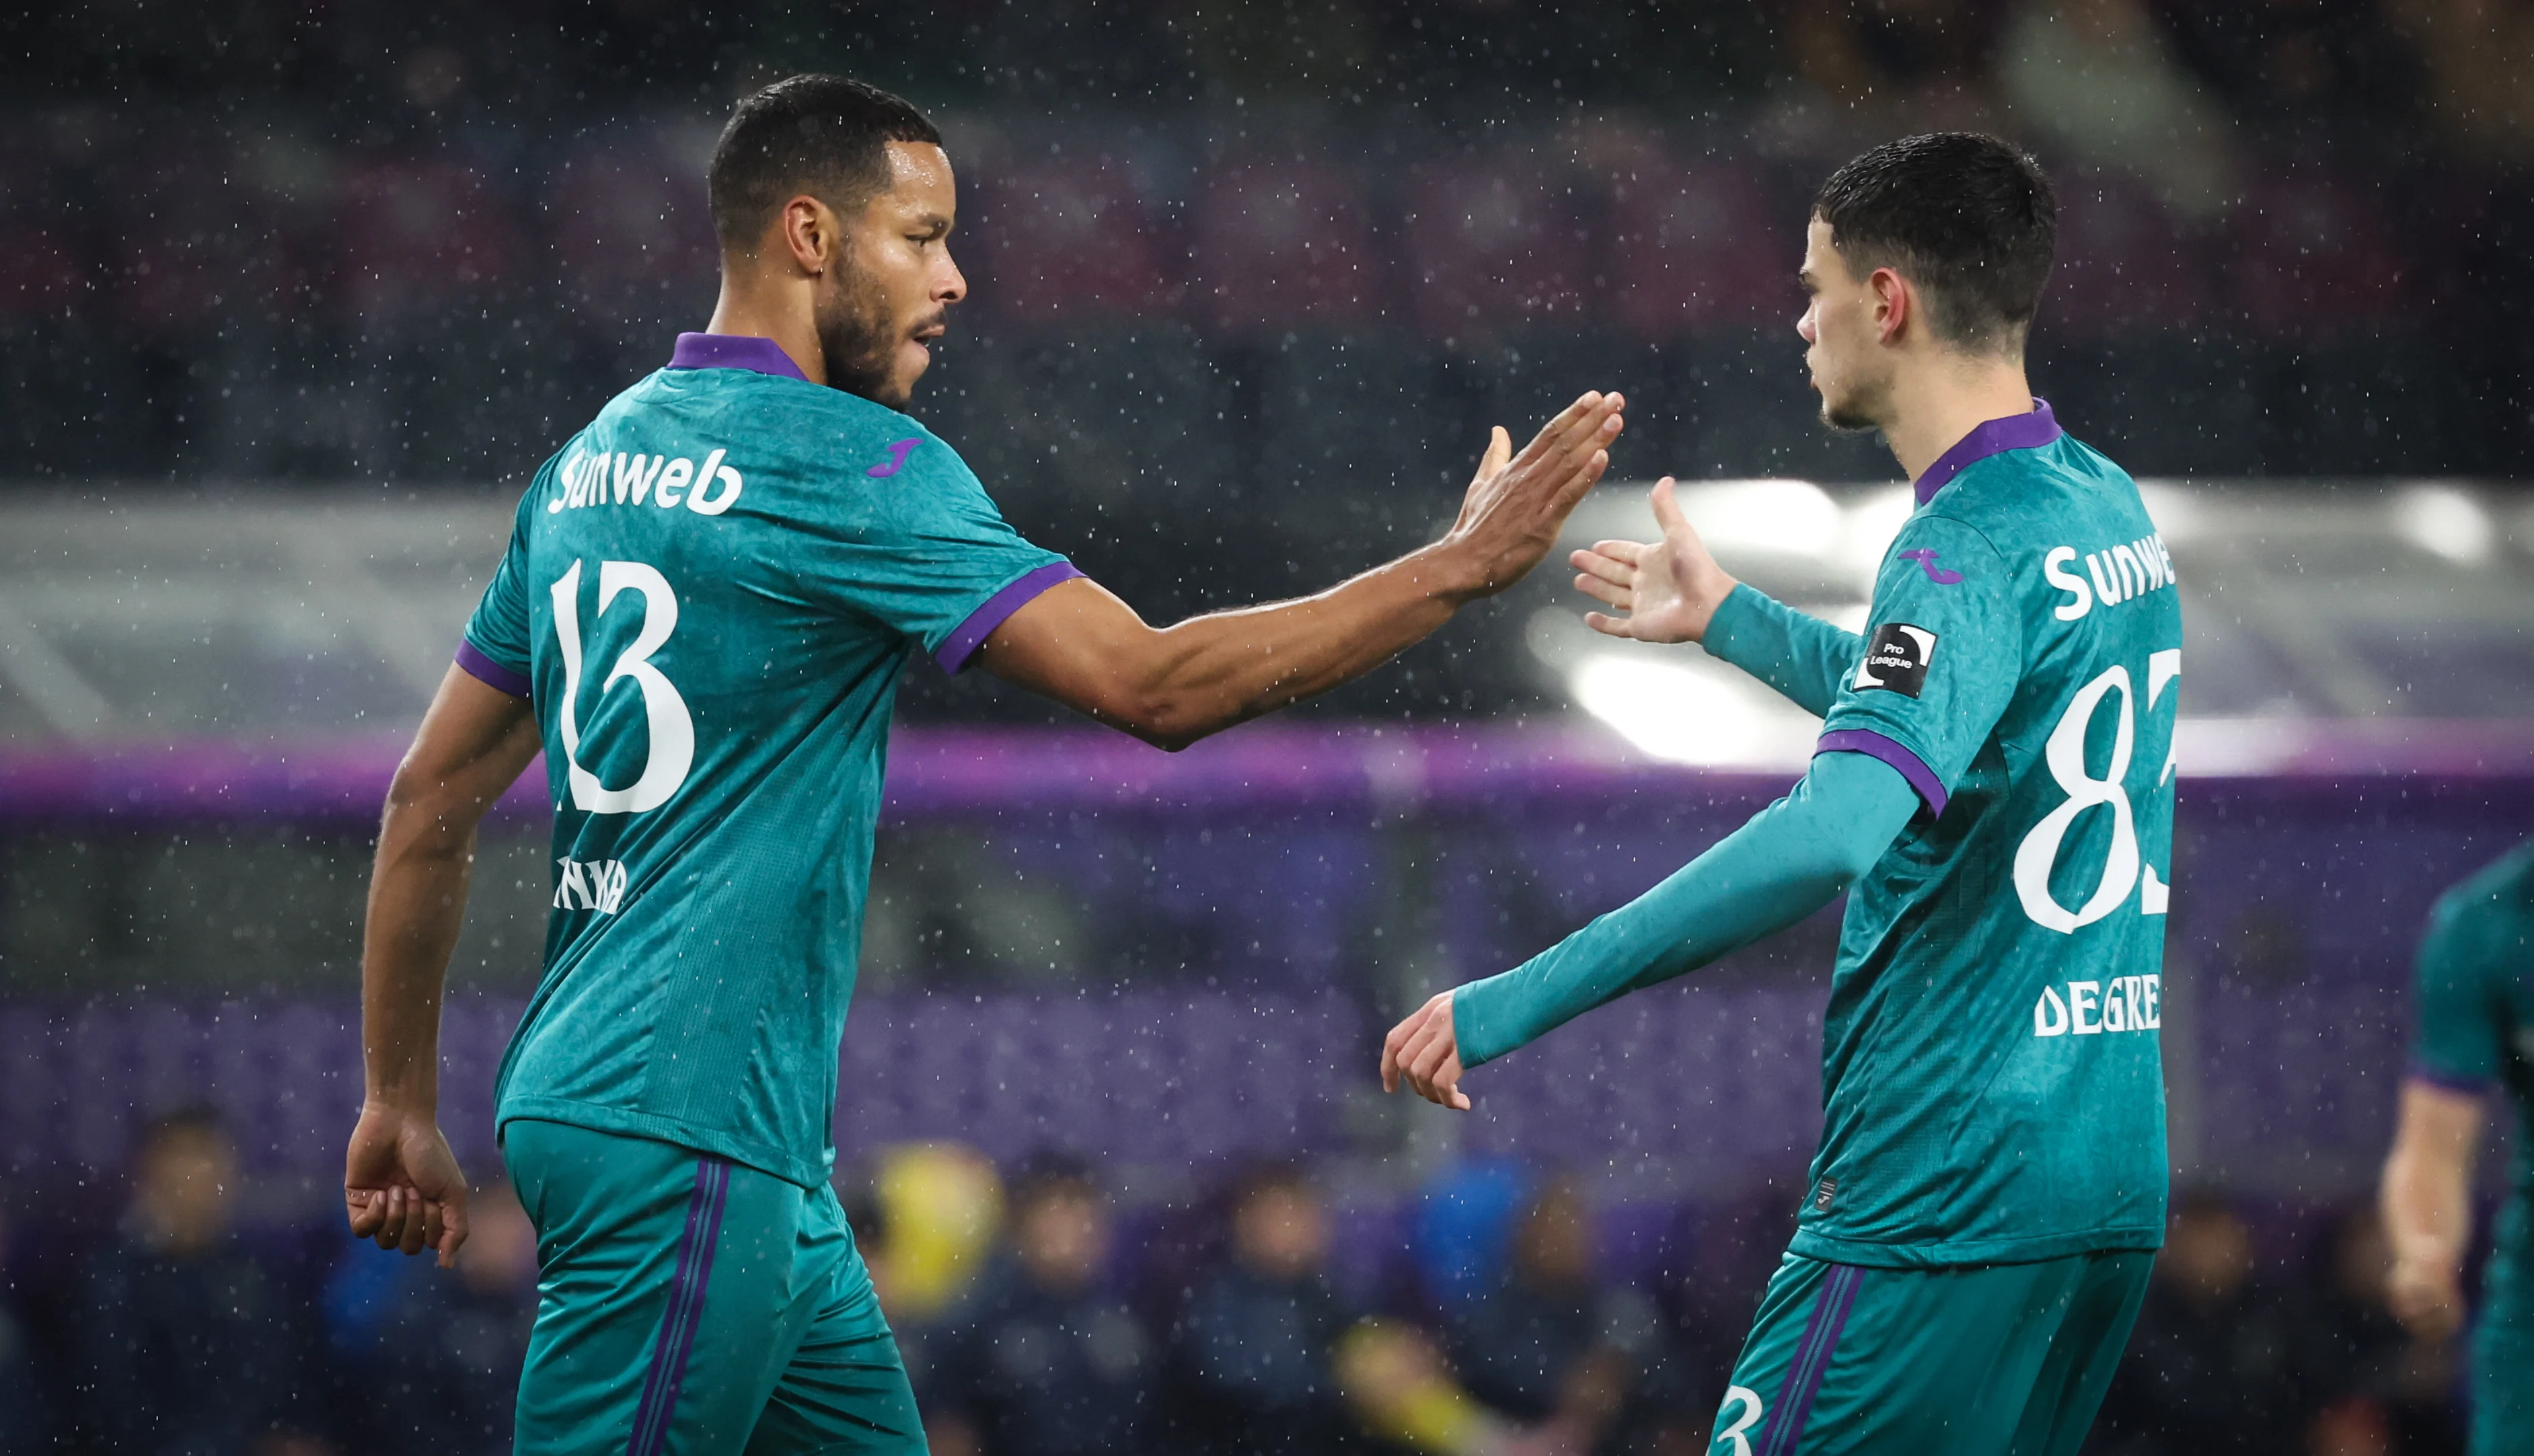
735,351
1990,436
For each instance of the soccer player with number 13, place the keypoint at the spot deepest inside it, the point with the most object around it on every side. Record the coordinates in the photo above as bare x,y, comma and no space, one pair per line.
1994,789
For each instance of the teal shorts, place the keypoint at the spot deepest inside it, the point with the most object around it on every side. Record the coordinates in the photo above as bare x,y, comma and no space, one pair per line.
2503,1382
687,1303
1982,1361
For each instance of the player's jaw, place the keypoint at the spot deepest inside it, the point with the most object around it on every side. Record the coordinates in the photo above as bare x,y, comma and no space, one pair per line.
872,349
1840,359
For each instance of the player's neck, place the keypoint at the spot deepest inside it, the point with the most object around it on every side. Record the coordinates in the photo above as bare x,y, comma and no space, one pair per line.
769,313
1934,406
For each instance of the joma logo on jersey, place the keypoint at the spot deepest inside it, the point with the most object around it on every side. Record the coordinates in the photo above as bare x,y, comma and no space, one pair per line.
2093,1007
591,884
2121,574
588,480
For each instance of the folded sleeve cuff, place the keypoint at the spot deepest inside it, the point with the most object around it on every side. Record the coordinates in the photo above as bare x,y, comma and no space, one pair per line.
493,675
2446,1081
1874,745
968,636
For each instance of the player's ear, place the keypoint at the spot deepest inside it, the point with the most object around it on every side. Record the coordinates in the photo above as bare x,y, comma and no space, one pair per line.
809,234
1893,302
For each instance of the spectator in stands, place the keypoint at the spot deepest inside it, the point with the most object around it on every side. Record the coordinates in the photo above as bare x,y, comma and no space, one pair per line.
1042,1358
1920,64
187,1345
2213,1366
23,1416
443,1371
1550,1339
2297,63
2476,54
2358,1355
2101,78
1252,1352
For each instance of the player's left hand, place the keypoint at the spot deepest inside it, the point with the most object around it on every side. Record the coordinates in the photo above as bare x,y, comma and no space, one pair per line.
1425,1052
401,1184
2427,1295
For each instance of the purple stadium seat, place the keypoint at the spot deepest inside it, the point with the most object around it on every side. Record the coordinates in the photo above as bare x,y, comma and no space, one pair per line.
197,246
416,235
1492,244
1283,244
631,235
2309,253
41,276
2124,264
1063,238
1699,245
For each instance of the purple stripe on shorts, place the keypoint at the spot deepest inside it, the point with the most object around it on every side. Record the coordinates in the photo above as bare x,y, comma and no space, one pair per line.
1875,746
1776,1441
686,1289
2445,1081
960,644
493,675
1812,1359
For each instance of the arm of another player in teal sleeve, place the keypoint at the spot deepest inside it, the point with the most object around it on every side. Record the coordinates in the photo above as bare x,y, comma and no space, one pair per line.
1798,654
1791,859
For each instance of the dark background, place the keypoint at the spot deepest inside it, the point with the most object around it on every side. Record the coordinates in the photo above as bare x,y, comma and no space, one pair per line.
1249,283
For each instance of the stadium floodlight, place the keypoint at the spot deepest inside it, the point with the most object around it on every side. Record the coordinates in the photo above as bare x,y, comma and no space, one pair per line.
2448,522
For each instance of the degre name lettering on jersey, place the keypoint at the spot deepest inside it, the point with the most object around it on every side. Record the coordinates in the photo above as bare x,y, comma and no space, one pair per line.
591,884
2093,1007
2112,577
603,479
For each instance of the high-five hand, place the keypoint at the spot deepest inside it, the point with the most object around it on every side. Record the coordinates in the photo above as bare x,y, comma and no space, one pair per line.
1425,1052
1666,591
1517,503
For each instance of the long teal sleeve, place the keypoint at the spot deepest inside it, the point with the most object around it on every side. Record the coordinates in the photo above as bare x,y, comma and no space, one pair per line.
1791,859
1802,657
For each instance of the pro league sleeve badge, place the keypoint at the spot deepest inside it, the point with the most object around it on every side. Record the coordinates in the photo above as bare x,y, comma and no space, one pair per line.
1897,659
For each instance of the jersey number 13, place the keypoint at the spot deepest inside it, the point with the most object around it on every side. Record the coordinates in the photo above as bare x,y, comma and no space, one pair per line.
672,727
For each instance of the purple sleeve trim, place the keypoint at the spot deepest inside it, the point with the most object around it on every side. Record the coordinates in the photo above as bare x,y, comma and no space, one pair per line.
492,674
2447,1080
1875,746
963,641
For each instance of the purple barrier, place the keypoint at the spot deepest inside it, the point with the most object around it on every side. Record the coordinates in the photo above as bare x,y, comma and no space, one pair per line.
2297,902
967,772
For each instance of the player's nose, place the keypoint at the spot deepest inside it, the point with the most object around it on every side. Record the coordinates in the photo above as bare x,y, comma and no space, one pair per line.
952,285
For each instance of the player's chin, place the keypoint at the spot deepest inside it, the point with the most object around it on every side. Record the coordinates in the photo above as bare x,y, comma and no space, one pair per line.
912,362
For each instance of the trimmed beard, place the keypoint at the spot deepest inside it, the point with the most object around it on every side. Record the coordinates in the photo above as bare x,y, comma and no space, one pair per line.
1858,413
857,339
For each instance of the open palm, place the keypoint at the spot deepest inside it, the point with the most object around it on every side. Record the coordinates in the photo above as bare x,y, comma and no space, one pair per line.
1663,591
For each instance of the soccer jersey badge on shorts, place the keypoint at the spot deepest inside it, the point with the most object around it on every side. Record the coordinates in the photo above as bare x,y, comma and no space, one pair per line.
1897,658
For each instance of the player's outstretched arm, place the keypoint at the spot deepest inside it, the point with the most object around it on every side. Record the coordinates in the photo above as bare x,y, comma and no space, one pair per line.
1082,646
1791,859
2427,1206
401,1187
1672,590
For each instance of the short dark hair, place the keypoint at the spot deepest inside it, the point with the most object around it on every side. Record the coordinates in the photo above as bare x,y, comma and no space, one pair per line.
1967,218
188,1121
827,136
1047,1174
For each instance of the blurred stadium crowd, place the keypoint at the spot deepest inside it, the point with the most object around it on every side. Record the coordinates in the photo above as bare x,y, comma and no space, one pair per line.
1490,1316
1236,269
1261,248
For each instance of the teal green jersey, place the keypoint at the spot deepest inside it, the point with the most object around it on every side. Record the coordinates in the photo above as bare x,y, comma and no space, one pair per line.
708,595
2474,1030
1991,1083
